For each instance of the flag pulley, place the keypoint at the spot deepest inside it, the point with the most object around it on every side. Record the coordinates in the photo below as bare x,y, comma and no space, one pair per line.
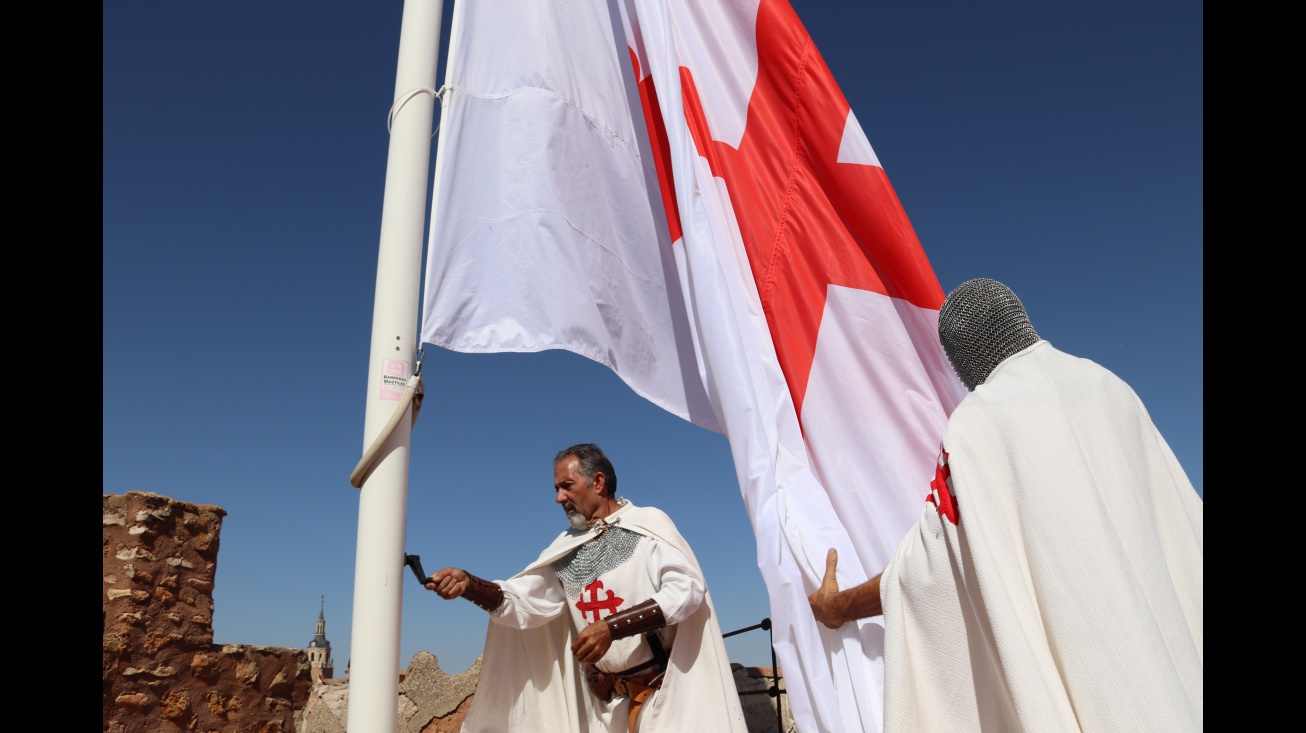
412,395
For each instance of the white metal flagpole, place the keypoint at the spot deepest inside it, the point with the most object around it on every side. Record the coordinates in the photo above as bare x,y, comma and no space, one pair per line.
383,500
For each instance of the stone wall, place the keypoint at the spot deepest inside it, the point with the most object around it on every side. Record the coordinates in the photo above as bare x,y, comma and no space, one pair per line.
162,671
759,702
431,701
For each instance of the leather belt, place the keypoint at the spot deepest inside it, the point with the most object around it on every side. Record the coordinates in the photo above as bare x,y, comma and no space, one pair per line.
635,684
625,684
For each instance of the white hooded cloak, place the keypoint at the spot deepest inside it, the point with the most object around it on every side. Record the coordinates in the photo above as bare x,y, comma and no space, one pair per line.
1067,595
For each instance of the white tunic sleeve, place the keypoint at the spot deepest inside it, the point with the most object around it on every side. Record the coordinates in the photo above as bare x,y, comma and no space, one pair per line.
529,600
680,587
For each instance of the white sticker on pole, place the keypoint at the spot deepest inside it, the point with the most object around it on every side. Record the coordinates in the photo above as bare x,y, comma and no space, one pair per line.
394,378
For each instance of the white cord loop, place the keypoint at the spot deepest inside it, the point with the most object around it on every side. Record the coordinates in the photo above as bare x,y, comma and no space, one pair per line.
403,99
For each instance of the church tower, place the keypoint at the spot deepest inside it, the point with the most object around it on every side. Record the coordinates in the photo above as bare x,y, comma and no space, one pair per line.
319,650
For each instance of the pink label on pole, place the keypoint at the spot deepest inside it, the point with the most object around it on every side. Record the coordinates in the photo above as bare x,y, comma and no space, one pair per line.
394,378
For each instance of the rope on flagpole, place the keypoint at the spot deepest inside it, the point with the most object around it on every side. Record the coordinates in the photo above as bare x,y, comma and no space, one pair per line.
412,395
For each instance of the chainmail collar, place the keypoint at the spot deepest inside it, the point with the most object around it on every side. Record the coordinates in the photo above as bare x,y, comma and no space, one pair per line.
609,548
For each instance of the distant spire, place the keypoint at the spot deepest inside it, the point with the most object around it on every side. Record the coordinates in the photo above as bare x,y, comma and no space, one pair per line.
319,636
319,649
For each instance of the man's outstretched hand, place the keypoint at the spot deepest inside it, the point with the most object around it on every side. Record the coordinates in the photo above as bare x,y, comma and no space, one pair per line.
834,607
826,601
449,582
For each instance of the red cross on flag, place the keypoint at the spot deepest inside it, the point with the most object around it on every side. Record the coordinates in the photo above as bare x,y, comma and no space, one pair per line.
679,190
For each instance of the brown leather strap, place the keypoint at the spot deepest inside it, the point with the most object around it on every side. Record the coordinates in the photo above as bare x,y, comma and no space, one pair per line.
638,696
638,619
631,686
600,682
606,684
483,593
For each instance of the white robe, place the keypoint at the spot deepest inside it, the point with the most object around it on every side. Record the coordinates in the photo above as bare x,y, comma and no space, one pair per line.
1068,594
531,682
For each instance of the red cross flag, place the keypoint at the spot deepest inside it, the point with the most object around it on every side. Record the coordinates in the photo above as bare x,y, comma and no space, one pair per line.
679,190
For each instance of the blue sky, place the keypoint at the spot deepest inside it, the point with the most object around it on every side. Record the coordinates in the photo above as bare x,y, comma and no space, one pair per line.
1055,147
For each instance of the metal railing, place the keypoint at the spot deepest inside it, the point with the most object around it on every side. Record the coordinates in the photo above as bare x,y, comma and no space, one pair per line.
774,690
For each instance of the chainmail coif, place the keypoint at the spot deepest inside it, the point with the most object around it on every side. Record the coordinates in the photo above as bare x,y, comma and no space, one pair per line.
982,323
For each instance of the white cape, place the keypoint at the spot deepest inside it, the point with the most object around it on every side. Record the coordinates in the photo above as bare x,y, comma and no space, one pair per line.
530,681
1068,595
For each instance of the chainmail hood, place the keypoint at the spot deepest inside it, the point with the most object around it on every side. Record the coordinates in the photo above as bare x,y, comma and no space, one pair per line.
981,323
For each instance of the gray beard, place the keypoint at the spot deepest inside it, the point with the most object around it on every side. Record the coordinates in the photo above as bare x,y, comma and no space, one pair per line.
578,521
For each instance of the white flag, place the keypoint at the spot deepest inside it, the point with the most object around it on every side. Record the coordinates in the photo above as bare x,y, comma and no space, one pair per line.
679,190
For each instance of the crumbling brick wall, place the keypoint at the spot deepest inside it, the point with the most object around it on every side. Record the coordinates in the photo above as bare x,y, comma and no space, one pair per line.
162,672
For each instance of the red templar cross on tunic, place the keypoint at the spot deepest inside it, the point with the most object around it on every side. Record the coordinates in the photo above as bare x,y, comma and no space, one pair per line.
807,220
941,490
594,603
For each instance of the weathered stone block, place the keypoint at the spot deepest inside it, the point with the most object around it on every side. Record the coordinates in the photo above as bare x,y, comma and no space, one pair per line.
175,705
161,670
134,700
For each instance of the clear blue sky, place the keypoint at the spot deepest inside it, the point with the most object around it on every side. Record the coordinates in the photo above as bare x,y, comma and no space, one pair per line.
1056,147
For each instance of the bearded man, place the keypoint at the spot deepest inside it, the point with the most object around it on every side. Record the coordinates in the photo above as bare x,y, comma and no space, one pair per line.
610,629
1054,579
